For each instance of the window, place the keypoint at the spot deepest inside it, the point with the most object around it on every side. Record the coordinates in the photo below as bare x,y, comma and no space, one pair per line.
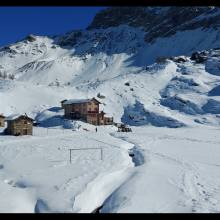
25,122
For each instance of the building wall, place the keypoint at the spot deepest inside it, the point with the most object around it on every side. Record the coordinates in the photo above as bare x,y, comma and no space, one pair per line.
62,105
92,118
67,110
89,112
79,107
20,126
82,108
2,122
101,119
93,107
108,120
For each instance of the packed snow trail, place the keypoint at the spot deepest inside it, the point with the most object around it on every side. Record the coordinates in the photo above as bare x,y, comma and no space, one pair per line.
100,189
104,185
190,187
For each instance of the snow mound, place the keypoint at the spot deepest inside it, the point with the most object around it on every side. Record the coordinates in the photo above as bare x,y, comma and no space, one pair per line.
15,199
53,117
186,106
215,91
137,115
212,66
179,85
212,106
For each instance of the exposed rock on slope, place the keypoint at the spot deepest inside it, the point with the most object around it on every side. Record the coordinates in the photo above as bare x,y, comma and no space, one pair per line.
158,21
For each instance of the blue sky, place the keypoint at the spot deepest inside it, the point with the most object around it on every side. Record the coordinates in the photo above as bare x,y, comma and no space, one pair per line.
17,22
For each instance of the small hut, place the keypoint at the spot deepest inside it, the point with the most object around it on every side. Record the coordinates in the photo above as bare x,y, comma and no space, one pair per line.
19,125
108,119
2,120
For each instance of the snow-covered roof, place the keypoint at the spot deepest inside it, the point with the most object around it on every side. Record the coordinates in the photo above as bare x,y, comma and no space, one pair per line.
108,115
12,117
75,101
2,116
16,116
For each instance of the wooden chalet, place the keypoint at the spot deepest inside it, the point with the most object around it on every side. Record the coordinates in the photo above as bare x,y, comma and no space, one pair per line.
19,125
86,110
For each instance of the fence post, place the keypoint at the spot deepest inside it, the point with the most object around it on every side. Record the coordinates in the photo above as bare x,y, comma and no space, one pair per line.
70,156
101,153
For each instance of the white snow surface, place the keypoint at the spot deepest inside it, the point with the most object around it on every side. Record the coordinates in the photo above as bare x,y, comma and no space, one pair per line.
172,108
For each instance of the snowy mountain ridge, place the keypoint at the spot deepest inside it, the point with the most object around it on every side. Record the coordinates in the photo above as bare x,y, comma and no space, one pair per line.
81,64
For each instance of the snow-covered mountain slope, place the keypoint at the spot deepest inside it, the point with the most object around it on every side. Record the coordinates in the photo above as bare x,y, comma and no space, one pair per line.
118,62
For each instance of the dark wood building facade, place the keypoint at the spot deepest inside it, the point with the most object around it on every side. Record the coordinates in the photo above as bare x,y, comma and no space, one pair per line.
86,110
19,125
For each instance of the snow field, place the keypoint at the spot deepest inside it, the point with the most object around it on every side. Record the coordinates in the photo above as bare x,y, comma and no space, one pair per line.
41,163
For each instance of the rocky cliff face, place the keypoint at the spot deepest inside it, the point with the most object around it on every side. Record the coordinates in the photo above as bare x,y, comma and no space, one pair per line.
158,21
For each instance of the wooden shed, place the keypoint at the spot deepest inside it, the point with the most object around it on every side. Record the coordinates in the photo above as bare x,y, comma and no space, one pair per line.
2,120
105,119
19,125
